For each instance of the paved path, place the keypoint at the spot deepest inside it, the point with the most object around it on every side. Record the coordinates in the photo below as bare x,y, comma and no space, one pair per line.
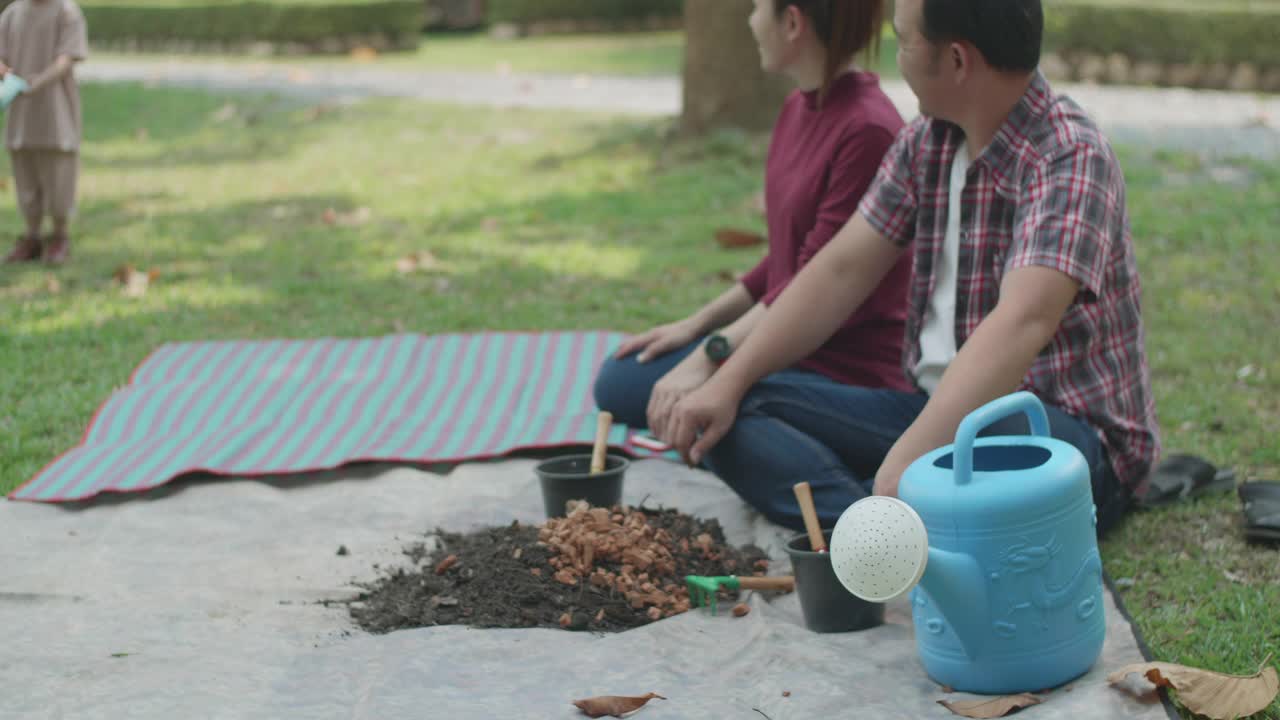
1215,123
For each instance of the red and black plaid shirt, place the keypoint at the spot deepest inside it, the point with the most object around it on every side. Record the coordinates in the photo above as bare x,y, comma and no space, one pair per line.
1047,191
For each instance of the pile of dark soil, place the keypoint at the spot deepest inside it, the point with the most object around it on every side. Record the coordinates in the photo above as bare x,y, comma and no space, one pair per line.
598,569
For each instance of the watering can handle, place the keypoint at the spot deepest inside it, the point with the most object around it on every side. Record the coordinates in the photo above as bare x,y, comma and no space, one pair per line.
994,411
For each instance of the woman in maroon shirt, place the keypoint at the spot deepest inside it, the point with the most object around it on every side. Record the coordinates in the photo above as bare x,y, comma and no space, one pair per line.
825,149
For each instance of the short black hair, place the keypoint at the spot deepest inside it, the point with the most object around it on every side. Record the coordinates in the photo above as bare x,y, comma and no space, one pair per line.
1008,33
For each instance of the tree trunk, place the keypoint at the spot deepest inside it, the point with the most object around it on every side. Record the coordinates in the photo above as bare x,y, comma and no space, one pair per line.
723,83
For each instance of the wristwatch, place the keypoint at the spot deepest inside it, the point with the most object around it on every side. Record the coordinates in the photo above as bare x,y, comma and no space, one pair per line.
717,348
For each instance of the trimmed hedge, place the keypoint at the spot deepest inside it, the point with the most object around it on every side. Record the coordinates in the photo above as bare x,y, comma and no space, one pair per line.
1200,33
244,21
530,11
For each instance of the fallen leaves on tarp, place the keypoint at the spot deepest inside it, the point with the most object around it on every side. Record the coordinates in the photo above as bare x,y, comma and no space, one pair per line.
1209,693
417,261
134,282
990,707
731,238
614,705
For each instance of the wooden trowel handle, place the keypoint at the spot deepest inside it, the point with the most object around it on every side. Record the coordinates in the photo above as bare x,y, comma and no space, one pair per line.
603,422
804,496
785,583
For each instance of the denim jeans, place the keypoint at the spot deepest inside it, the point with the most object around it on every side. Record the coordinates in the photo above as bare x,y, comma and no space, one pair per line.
623,386
798,425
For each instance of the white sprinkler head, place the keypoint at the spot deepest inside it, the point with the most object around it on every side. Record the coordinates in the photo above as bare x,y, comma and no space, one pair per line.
879,548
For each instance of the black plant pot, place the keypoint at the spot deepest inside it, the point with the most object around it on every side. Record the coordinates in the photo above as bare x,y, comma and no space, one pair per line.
827,606
569,477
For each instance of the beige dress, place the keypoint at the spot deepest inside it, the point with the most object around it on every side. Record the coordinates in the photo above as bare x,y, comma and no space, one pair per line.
43,129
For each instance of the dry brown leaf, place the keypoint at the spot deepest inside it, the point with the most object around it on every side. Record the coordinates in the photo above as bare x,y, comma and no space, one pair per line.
741,609
52,284
416,261
443,566
134,282
1209,693
786,693
991,707
731,238
613,705
363,54
359,216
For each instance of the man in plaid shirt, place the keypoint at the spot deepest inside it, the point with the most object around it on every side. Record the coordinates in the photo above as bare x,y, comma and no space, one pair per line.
1013,206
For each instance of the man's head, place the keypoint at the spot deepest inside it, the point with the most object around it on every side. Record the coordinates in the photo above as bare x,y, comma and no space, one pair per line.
947,48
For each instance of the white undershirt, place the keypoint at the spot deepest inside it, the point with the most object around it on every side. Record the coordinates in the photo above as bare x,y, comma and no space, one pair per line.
938,335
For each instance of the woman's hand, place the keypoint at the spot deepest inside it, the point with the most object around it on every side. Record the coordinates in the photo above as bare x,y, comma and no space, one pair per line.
660,340
689,375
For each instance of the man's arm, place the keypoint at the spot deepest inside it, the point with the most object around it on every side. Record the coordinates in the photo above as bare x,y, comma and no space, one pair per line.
992,363
819,299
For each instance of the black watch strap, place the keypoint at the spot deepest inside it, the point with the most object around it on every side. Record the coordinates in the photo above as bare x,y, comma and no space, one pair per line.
717,348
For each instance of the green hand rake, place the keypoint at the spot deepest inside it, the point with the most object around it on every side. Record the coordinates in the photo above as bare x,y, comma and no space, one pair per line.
703,589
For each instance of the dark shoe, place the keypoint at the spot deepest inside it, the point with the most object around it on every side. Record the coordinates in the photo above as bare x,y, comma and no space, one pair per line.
26,250
1261,500
1183,476
57,248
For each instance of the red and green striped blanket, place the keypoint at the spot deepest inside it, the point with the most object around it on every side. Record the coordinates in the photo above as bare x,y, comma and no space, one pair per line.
286,406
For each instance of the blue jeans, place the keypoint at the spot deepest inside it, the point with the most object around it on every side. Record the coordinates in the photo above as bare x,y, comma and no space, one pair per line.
797,425
623,386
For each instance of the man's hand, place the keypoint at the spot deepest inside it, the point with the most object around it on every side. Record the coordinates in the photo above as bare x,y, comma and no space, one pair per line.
702,418
891,470
681,380
659,341
4,70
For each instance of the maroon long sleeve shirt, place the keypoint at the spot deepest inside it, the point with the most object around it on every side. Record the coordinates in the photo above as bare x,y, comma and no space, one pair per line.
821,161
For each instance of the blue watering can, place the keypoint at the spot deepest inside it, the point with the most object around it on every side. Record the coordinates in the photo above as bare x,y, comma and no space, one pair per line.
995,539
10,88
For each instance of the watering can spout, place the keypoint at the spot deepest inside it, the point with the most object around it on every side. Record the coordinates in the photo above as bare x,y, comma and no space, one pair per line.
954,580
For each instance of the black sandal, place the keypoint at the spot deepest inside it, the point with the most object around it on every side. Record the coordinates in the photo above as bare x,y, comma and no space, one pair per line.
1179,477
1261,501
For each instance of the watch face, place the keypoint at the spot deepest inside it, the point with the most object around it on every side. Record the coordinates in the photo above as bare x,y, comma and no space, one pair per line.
718,348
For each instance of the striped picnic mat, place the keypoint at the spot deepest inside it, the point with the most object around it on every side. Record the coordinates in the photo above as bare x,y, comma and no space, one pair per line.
283,406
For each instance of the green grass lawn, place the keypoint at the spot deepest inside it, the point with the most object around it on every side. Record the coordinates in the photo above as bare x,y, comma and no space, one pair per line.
644,53
550,220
